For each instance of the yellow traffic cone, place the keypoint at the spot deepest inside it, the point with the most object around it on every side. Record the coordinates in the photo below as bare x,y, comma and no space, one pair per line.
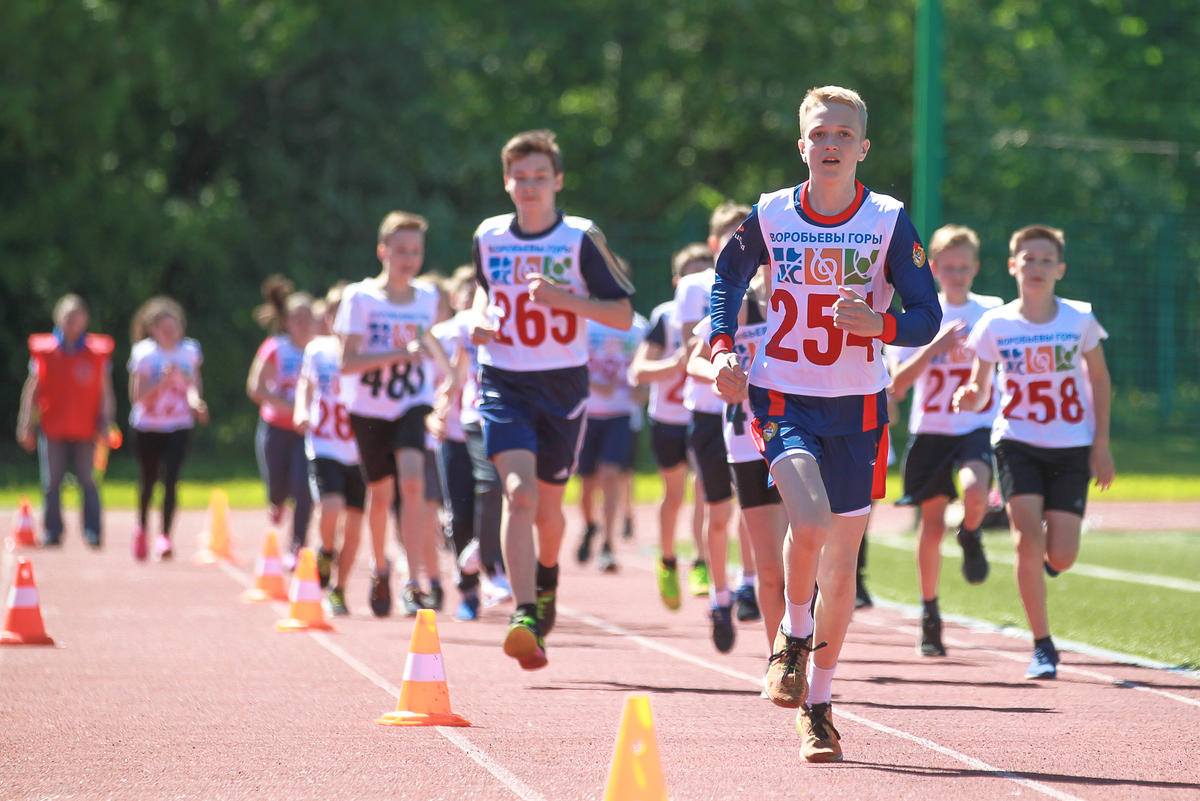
217,546
636,773
269,584
424,696
306,612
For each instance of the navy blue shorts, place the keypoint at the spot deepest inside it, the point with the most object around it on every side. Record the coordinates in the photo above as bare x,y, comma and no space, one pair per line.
712,464
669,443
850,448
606,440
931,460
540,411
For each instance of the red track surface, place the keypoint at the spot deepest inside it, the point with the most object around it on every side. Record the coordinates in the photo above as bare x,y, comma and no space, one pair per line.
164,684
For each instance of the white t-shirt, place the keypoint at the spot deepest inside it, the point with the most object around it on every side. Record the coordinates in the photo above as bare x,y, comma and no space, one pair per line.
666,395
610,352
329,435
449,334
1047,394
165,409
387,393
739,444
932,411
693,295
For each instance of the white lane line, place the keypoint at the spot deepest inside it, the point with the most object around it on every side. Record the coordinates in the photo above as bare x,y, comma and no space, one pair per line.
456,738
1094,571
969,761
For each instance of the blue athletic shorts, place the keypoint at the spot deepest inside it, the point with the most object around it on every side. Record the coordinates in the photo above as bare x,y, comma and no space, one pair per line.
540,411
606,440
847,436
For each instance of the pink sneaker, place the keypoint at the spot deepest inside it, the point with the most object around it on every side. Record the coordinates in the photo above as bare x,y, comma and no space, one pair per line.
139,543
162,549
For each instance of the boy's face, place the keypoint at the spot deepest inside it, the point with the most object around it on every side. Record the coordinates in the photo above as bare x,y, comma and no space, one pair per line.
1036,266
532,183
402,253
831,142
955,269
74,324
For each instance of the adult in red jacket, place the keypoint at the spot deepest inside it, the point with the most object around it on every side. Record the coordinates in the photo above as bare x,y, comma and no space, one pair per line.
70,386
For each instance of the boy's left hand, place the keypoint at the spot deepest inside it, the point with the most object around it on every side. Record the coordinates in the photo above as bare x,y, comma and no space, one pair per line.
1104,469
731,380
852,313
544,291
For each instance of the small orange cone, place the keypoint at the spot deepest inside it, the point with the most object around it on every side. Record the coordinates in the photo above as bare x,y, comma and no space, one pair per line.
424,696
22,533
306,610
217,547
636,769
23,618
269,584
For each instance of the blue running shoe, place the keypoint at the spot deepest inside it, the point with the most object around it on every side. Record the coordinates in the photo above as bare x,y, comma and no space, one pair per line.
723,634
468,608
1044,664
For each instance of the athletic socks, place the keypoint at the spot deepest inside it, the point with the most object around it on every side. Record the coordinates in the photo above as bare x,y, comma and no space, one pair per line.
669,564
720,597
747,579
797,621
930,608
547,577
820,683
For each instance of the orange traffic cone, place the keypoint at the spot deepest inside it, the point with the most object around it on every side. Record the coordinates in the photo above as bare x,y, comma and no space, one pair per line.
306,610
217,547
22,533
269,584
424,696
636,770
23,618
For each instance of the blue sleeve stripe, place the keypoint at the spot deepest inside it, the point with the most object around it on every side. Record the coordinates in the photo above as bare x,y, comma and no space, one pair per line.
615,271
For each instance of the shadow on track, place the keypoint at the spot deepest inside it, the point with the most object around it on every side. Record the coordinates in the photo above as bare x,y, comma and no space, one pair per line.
1020,710
1061,778
616,686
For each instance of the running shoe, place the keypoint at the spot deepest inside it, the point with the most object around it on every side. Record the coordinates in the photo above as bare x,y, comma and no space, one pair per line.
288,559
585,545
469,561
723,633
381,594
975,564
495,589
668,586
139,545
862,599
547,610
468,607
413,600
523,642
162,549
698,579
747,604
336,603
92,538
1051,572
931,636
324,567
787,670
1044,664
820,741
435,599
606,563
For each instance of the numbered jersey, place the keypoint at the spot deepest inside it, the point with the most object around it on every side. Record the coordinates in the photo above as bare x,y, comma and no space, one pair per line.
461,326
329,435
739,445
692,298
280,351
805,354
387,393
610,352
166,408
572,254
666,396
932,412
449,334
1046,392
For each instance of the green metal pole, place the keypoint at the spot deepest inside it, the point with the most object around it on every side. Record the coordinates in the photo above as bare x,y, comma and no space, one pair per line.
928,102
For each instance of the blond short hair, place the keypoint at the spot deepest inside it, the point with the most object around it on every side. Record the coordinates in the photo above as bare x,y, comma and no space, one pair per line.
725,215
697,251
65,305
1031,232
824,95
527,143
953,236
401,221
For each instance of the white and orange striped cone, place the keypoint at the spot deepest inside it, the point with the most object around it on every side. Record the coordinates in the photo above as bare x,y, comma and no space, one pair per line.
269,584
217,546
23,618
22,530
424,696
306,612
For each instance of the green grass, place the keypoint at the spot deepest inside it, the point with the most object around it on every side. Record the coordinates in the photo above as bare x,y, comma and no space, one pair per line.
1138,619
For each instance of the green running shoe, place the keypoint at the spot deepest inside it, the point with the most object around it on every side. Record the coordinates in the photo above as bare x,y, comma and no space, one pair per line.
337,603
698,579
523,642
668,586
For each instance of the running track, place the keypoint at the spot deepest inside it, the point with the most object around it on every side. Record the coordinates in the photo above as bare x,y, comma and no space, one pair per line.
165,685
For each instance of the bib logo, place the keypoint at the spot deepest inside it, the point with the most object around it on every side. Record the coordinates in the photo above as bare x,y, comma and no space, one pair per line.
1040,360
1064,358
823,266
500,270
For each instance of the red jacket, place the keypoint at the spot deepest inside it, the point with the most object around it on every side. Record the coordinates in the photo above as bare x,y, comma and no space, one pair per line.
70,386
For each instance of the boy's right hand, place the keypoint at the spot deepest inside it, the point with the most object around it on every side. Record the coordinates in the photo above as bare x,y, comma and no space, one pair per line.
27,438
731,379
948,338
966,399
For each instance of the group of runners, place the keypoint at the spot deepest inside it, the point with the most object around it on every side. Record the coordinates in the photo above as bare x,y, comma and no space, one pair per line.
470,401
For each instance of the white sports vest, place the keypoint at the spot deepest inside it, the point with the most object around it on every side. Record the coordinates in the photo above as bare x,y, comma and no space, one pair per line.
666,396
329,435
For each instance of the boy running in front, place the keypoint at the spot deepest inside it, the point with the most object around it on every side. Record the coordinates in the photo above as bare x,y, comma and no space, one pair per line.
944,441
835,253
1051,436
541,275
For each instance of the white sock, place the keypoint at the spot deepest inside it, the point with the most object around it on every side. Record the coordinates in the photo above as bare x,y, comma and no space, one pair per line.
798,622
820,683
747,579
719,597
